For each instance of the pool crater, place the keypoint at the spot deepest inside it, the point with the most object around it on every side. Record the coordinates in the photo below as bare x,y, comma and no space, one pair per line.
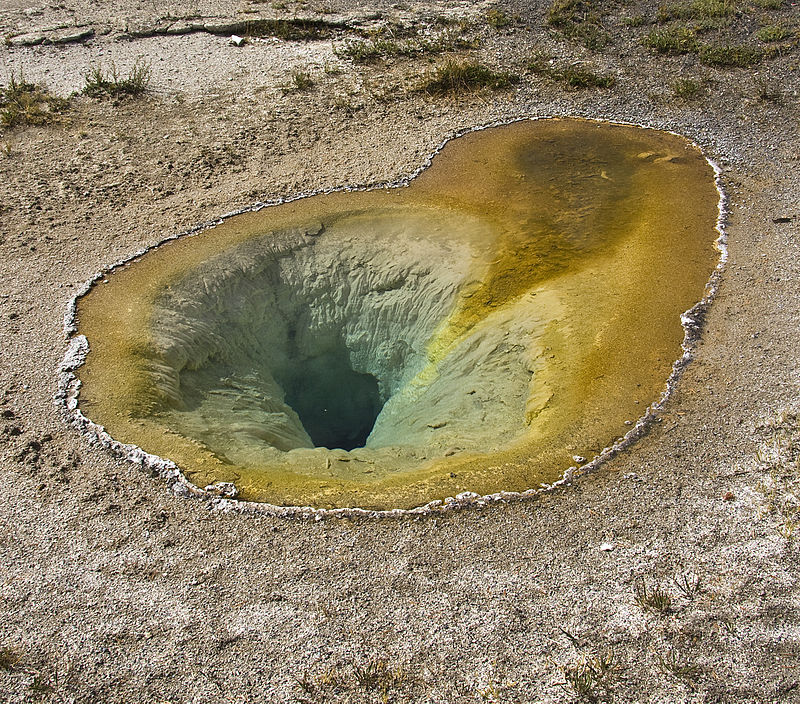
516,306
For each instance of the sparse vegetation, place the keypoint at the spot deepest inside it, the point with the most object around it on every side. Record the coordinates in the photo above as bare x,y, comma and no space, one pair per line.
375,676
10,659
672,40
653,598
685,671
580,679
688,584
580,76
383,45
575,75
774,33
363,51
779,459
728,56
24,103
768,91
301,80
579,21
456,77
697,10
590,675
497,19
635,21
41,685
99,83
686,89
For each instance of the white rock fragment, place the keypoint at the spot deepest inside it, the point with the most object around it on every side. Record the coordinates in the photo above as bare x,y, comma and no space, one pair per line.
224,489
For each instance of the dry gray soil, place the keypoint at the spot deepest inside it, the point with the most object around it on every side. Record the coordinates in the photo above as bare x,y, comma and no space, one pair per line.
113,589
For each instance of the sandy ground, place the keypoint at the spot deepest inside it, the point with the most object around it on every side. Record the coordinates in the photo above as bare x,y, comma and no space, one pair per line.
112,589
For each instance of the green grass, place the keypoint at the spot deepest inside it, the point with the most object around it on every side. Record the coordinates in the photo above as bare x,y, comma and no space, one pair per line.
730,56
456,77
697,10
672,40
635,21
563,13
579,76
574,76
497,19
774,33
367,51
24,103
99,83
384,45
579,21
301,80
686,89
655,598
589,677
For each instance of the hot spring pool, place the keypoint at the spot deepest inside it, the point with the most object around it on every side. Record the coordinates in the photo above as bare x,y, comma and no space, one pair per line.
517,305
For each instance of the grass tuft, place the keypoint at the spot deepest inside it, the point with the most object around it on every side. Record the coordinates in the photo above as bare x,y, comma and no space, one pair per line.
686,89
575,76
655,598
101,84
580,76
373,676
497,19
10,659
456,77
589,676
581,680
24,103
383,46
688,584
774,33
697,10
580,21
672,40
682,670
301,80
730,56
